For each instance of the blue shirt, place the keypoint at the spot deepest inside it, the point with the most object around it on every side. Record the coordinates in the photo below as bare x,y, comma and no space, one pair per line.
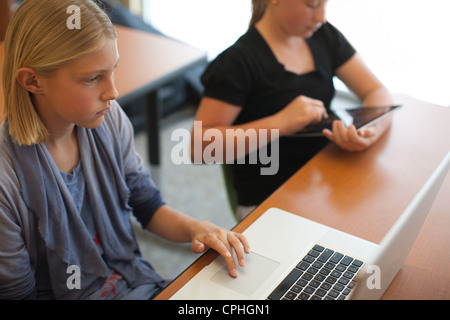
115,286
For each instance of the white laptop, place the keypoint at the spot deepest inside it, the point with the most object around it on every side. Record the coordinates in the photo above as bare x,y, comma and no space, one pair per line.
295,258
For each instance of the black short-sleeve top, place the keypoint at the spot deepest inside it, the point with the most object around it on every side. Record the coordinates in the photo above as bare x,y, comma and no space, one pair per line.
248,75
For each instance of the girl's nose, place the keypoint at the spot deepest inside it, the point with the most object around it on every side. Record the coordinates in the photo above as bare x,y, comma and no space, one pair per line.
110,92
320,15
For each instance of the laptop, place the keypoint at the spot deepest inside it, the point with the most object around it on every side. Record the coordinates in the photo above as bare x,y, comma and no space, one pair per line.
361,117
296,258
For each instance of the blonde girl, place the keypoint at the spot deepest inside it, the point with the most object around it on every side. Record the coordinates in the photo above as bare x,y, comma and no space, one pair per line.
70,176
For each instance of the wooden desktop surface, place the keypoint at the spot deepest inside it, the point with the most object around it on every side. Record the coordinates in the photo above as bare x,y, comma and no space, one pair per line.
364,193
148,61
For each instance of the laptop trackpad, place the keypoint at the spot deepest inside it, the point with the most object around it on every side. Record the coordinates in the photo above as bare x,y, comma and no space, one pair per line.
257,269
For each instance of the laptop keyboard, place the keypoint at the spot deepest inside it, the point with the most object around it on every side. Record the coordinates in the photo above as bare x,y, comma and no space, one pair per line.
323,274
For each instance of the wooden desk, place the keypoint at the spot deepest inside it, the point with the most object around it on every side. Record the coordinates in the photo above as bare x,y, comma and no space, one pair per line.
364,193
147,62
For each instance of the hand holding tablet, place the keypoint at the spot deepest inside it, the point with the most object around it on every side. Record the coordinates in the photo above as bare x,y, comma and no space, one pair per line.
360,117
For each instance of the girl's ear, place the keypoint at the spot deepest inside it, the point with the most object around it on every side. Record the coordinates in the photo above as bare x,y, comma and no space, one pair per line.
28,79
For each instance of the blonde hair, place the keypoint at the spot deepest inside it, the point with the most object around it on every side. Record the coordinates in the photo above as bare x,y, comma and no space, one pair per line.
38,37
258,10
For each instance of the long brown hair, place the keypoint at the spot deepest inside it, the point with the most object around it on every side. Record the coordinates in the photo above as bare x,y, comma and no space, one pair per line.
258,10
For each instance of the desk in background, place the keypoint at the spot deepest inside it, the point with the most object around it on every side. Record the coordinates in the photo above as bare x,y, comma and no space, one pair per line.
364,193
147,62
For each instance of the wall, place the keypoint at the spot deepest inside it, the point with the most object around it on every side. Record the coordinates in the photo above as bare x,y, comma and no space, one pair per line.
209,24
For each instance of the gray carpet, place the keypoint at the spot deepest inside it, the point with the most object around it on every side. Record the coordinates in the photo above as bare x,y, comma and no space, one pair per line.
197,190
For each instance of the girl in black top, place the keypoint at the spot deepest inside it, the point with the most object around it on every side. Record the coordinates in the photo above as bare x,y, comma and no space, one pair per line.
279,75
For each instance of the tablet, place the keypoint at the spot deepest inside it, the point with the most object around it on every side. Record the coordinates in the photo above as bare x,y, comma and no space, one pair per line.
360,117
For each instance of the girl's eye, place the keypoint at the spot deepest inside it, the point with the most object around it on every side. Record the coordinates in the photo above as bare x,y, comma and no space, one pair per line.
92,79
313,4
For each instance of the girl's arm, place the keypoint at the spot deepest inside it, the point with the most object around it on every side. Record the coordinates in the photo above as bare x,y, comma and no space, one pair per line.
219,115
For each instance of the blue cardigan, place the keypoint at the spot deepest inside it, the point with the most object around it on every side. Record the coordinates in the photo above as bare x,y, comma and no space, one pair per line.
42,233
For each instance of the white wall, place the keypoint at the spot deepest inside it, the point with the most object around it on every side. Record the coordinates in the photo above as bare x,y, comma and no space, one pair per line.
405,42
210,24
